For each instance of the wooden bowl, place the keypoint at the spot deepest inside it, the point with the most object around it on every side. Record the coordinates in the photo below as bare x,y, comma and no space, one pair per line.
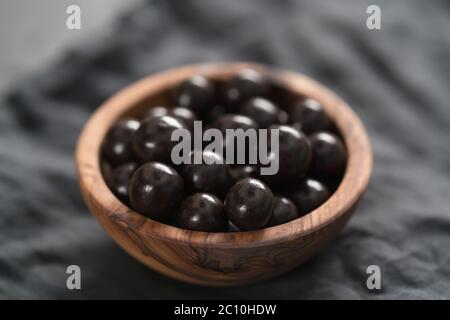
220,258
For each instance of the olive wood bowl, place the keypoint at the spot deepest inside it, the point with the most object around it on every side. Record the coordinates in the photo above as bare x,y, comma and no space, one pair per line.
220,258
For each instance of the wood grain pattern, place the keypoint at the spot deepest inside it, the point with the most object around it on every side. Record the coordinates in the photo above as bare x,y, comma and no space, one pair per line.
220,258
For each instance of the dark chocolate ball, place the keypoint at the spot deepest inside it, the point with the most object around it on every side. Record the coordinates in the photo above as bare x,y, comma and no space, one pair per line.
119,178
212,175
202,212
152,141
234,121
196,93
329,155
246,84
283,117
248,204
280,93
232,227
156,190
117,146
309,195
294,154
239,172
263,111
156,112
213,113
284,210
309,115
184,114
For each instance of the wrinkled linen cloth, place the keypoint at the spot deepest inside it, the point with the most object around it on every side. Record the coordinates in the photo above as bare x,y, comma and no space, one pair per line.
397,79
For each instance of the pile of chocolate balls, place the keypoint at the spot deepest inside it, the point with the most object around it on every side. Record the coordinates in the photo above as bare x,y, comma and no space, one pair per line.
221,197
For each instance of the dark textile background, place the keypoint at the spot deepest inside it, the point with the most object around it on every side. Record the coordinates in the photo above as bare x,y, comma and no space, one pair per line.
397,79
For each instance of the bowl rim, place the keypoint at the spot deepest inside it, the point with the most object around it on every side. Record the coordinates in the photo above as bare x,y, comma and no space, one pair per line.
94,188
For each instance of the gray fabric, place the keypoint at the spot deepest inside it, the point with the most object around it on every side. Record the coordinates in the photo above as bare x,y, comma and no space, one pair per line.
397,79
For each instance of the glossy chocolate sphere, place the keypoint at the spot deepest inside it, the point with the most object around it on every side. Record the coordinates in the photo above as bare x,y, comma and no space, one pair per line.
309,195
248,204
202,212
234,121
309,115
283,117
152,141
156,190
239,172
196,93
117,147
119,178
245,85
184,114
280,93
263,111
213,113
156,112
294,154
232,227
329,154
212,175
284,210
